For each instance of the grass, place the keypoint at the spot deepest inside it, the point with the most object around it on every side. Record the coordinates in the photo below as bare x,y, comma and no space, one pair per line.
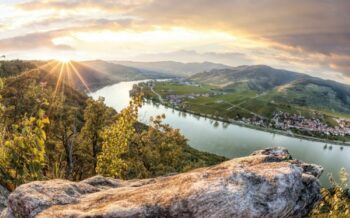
168,88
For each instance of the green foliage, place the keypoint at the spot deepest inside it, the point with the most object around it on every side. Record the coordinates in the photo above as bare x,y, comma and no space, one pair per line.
23,153
157,151
97,116
153,151
116,141
335,200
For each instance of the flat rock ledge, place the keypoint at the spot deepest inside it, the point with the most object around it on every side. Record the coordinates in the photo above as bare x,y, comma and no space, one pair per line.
268,183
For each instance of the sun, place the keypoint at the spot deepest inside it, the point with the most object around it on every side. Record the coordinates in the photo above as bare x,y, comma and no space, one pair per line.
63,59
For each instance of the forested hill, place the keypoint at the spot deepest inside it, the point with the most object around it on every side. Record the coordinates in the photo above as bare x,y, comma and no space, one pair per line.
51,130
14,67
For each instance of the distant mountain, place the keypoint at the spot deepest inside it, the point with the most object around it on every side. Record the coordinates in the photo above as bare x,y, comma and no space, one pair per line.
121,72
174,68
280,87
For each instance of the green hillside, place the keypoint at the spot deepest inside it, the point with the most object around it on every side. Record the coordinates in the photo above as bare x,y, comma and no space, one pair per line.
274,88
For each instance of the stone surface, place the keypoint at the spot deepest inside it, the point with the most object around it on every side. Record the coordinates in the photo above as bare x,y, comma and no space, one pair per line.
266,184
4,193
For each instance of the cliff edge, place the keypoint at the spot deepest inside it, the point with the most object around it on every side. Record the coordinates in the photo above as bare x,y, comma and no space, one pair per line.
268,183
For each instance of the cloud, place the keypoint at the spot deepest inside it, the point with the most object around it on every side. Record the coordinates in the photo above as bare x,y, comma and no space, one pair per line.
33,41
314,26
106,5
84,24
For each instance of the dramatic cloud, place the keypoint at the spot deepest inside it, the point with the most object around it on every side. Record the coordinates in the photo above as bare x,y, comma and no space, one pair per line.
310,36
316,26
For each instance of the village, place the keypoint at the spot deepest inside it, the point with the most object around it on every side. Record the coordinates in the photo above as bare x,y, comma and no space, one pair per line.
285,121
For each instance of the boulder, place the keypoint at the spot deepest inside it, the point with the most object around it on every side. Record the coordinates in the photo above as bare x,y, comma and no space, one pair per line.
269,183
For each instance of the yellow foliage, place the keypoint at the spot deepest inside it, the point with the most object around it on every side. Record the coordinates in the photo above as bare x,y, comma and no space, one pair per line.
335,200
22,158
116,139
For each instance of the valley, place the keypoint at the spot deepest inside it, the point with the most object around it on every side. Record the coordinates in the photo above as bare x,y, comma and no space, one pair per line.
231,140
262,100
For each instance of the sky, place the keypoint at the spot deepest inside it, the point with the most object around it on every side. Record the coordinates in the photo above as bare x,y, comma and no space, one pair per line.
311,36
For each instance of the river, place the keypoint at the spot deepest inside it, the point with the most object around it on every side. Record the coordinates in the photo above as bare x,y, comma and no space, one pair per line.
231,140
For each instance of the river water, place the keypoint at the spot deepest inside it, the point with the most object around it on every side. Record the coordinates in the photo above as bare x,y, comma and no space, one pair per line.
230,140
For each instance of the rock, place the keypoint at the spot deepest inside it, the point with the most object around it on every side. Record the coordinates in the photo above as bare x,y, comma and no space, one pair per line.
266,184
4,193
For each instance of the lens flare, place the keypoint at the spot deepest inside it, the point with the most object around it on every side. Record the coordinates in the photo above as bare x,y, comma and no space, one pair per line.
63,59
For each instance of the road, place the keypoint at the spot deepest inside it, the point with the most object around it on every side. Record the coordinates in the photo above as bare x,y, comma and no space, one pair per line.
159,96
238,105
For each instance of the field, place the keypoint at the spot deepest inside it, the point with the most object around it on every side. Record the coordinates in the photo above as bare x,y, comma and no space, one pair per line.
168,88
231,103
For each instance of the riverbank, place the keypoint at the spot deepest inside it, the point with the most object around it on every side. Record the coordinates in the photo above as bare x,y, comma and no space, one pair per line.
231,141
270,130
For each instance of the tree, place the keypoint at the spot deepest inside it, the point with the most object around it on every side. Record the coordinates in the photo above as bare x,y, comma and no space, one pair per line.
97,116
22,157
154,151
116,139
130,152
65,127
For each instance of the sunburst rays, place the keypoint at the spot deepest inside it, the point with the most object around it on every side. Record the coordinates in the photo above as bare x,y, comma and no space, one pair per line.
79,75
66,73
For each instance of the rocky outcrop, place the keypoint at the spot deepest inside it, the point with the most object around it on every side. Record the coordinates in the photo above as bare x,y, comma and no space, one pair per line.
269,183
